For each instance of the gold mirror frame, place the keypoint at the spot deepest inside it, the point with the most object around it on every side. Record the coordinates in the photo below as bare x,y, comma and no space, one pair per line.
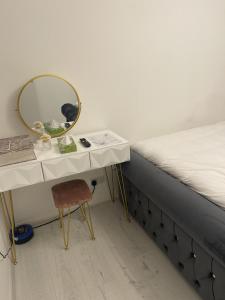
54,76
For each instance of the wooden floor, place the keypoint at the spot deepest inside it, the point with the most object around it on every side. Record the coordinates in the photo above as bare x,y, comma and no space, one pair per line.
121,264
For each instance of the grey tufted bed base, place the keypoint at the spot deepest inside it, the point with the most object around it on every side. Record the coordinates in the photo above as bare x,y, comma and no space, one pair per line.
186,226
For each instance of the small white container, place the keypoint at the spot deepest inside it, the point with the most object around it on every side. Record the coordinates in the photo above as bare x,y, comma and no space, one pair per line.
44,143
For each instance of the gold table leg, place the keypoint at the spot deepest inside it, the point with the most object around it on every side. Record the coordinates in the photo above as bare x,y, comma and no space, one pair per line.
111,191
8,212
4,213
122,190
6,208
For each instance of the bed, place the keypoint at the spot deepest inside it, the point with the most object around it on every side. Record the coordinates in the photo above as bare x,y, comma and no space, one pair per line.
182,210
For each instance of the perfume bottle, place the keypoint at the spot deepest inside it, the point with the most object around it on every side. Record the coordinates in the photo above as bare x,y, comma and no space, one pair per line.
44,142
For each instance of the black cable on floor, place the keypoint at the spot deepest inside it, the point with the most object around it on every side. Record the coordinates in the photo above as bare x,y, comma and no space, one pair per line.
56,219
4,256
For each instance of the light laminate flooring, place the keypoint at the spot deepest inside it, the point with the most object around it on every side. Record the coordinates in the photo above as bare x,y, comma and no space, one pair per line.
123,263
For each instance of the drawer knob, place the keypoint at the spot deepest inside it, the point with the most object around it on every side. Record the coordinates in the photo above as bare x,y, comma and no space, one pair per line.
176,238
161,225
212,276
197,283
165,247
181,266
154,234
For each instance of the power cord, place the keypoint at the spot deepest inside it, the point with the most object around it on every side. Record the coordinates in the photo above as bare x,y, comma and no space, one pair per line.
4,256
56,219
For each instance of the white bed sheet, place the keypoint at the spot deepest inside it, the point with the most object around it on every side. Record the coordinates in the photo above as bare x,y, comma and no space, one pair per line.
196,157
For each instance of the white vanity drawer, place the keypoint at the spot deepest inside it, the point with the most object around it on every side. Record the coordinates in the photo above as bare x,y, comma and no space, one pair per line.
19,175
66,165
109,156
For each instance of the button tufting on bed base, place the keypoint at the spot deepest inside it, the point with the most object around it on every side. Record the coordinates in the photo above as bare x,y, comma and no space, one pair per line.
203,273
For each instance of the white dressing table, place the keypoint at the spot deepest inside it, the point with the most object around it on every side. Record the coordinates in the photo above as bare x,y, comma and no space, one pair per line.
51,164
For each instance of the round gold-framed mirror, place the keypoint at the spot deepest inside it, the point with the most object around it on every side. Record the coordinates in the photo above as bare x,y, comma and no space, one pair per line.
49,104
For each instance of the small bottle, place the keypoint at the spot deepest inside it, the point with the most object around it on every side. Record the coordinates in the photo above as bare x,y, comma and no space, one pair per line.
44,142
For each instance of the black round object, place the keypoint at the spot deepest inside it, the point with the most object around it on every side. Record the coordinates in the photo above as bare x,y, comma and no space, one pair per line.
22,234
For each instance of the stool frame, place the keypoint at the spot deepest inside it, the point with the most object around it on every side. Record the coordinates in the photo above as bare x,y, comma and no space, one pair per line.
86,214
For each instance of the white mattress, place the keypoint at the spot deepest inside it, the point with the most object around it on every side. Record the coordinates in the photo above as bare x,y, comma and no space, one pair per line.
196,157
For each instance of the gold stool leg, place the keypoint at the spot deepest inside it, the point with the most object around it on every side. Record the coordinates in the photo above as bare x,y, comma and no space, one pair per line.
4,212
65,233
83,212
89,221
60,219
122,190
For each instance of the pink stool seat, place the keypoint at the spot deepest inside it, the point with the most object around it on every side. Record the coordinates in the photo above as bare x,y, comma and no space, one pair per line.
70,193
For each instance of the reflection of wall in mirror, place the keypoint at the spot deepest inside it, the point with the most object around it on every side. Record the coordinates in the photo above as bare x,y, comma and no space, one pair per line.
45,98
30,108
52,94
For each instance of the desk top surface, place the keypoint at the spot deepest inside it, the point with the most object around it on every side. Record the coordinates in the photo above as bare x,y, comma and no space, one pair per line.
107,148
96,139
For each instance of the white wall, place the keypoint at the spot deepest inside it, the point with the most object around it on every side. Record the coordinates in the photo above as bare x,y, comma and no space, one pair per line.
141,67
156,65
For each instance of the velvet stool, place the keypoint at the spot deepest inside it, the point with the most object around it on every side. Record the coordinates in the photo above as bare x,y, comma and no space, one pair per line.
68,194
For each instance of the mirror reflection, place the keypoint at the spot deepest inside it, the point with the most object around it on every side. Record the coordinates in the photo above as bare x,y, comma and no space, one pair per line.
49,104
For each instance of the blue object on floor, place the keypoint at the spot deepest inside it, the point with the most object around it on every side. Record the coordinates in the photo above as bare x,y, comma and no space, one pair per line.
22,234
